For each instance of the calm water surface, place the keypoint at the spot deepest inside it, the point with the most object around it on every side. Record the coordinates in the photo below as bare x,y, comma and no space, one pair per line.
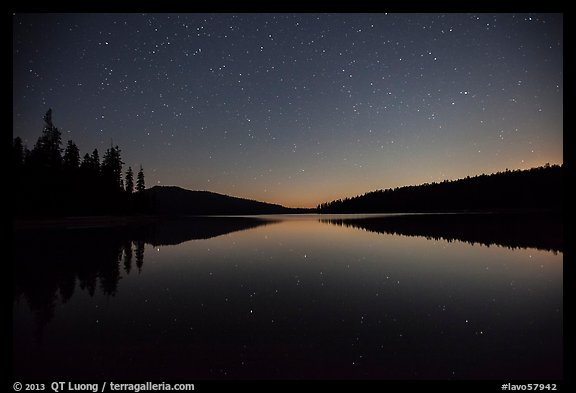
283,297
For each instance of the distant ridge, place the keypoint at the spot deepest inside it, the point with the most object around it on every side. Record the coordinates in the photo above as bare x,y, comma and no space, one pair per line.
172,200
531,189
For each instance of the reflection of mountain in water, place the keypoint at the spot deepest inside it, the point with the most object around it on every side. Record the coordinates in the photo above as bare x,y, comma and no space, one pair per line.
514,230
50,264
178,230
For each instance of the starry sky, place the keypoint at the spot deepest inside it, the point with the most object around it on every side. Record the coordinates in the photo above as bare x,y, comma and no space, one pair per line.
296,109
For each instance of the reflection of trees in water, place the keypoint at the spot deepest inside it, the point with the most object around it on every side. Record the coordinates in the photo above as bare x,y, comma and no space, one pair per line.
48,265
139,254
109,274
543,231
127,256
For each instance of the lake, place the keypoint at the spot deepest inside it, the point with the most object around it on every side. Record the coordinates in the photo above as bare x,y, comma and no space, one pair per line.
293,297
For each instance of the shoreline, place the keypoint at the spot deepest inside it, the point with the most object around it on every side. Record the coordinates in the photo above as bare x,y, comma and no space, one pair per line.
100,222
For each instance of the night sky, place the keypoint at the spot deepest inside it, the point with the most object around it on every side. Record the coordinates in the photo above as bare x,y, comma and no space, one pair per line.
296,109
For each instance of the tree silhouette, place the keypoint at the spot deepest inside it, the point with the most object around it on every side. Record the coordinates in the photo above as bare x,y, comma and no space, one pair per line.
86,161
95,161
17,153
129,181
112,169
47,152
90,169
140,185
71,156
48,118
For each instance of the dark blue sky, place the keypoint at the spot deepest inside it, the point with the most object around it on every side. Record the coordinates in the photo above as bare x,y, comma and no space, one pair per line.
296,109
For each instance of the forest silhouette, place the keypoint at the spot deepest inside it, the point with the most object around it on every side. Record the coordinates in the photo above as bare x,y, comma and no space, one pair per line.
532,189
52,181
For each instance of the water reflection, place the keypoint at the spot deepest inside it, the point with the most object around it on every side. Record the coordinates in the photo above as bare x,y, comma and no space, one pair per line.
299,299
542,231
178,230
48,265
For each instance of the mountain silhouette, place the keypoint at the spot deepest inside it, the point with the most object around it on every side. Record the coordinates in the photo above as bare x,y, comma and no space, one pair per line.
172,200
